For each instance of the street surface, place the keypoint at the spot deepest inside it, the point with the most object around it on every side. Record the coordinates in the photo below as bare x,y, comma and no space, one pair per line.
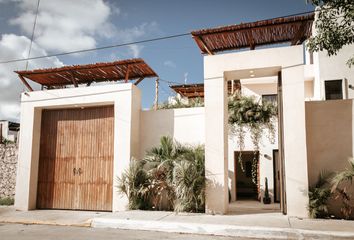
39,232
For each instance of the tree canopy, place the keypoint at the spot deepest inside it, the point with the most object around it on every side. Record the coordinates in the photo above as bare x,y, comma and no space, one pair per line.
334,26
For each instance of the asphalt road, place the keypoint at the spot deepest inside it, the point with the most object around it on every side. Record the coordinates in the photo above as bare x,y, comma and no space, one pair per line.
38,232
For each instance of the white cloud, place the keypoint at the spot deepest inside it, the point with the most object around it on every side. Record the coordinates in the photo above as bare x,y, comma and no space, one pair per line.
64,25
135,33
169,63
14,47
68,25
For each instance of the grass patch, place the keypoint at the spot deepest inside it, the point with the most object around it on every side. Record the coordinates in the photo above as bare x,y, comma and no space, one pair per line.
6,201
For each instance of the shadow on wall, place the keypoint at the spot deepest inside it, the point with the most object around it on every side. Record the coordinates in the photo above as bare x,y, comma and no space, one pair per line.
154,125
329,137
214,192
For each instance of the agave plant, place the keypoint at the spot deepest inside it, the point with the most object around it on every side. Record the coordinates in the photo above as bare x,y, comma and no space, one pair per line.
319,195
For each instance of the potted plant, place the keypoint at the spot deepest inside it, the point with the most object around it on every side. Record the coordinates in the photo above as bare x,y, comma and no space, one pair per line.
266,198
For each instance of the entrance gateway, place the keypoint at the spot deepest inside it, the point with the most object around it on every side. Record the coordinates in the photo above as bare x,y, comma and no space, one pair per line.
76,159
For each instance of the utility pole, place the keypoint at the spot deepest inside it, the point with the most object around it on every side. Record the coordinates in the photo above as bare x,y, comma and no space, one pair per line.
156,103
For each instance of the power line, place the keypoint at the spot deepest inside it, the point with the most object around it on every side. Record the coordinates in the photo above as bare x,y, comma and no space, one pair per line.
98,48
123,44
32,36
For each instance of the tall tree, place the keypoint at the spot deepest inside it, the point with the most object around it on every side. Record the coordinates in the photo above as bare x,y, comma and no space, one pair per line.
334,26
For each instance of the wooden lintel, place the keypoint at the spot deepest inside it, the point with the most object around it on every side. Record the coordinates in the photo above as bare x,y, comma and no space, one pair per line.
204,45
127,74
138,81
25,83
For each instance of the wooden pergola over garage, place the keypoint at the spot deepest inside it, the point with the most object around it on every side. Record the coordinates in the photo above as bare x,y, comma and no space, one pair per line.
76,144
124,70
294,29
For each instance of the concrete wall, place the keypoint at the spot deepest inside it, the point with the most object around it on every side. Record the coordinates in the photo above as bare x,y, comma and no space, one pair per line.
329,129
185,125
334,68
266,62
126,100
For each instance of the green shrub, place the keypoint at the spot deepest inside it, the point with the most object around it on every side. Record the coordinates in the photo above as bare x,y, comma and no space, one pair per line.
7,201
179,103
132,183
170,177
319,195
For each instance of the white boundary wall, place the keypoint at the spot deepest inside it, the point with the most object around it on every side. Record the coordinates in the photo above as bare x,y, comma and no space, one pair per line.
186,125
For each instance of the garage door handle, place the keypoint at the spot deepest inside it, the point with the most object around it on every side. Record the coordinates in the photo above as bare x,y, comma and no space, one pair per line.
74,171
79,171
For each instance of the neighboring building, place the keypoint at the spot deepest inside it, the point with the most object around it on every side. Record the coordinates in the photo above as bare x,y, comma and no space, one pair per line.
9,130
74,141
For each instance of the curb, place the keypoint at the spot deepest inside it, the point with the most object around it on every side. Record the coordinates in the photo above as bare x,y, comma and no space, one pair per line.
30,222
218,229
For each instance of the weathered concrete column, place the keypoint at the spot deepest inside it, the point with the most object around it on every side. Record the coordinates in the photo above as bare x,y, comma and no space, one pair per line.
27,166
216,145
295,156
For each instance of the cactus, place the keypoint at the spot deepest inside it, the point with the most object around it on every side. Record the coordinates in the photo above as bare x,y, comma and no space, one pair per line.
266,199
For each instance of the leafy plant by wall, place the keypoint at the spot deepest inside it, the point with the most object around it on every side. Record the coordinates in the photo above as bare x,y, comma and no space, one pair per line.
246,113
319,195
177,102
342,183
170,177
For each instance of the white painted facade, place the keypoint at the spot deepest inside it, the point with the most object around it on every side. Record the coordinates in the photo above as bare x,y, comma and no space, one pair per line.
137,130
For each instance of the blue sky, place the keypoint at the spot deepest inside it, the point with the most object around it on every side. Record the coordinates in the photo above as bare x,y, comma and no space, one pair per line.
116,22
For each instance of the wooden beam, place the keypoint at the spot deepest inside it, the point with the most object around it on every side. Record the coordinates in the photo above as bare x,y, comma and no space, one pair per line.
299,35
201,41
138,81
26,83
73,80
127,74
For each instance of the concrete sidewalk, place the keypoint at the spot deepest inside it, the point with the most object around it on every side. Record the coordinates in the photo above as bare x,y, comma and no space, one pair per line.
264,225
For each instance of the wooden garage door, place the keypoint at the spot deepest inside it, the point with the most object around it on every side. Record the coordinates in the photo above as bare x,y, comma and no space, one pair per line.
76,159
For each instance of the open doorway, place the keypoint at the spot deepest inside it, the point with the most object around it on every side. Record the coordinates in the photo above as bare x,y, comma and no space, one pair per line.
246,175
256,179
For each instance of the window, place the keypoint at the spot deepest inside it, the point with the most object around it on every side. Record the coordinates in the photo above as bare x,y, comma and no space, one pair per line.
273,98
333,89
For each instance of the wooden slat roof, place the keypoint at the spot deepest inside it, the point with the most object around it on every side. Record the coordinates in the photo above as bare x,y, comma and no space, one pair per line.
86,74
294,29
197,90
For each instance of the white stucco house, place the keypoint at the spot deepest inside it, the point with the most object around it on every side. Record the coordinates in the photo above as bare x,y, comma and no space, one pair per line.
9,130
82,123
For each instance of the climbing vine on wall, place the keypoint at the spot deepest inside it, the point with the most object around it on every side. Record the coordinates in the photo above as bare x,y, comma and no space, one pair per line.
246,113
